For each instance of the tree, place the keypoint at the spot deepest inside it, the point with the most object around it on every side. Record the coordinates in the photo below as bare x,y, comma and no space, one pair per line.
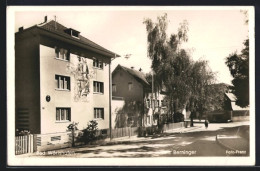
73,127
238,65
186,81
168,59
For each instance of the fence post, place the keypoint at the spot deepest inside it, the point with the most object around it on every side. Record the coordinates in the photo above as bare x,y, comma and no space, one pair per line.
34,142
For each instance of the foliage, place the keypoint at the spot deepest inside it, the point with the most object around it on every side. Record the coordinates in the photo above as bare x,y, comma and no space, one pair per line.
186,81
178,117
22,132
73,126
90,133
238,65
129,114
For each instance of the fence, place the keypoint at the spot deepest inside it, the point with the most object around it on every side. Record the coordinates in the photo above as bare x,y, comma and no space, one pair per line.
123,132
24,144
171,126
45,142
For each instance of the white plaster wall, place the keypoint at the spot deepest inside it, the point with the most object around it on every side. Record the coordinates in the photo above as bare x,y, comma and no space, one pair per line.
82,111
116,106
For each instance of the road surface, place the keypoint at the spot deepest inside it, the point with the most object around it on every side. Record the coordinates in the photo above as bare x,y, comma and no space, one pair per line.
186,143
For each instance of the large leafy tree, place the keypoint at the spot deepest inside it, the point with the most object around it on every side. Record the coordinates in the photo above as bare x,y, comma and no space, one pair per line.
238,65
186,81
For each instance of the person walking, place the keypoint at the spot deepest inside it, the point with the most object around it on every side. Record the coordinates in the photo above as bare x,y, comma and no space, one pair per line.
206,123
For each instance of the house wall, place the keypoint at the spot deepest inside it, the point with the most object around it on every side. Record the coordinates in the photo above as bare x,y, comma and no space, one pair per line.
82,110
121,79
134,104
116,112
27,83
149,109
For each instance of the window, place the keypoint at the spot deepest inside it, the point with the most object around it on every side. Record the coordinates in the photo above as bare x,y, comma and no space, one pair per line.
148,103
148,120
130,86
98,87
61,53
99,113
157,103
72,33
97,63
62,82
113,88
63,114
163,102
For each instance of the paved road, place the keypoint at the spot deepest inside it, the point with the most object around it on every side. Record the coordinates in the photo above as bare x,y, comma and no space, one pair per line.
196,142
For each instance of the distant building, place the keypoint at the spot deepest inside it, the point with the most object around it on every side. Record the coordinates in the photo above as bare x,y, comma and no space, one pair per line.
237,113
60,77
132,87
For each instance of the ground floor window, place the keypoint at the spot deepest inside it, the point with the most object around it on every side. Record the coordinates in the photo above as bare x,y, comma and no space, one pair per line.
63,114
99,113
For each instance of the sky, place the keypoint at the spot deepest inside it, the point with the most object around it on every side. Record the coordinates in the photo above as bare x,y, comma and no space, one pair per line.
213,33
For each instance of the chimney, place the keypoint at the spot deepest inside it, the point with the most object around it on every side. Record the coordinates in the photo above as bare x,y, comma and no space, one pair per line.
45,19
140,69
55,22
20,29
132,67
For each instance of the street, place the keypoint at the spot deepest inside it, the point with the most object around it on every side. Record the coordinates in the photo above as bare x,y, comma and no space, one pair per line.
185,142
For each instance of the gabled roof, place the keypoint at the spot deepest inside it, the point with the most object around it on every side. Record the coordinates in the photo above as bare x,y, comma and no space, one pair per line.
139,76
58,28
233,99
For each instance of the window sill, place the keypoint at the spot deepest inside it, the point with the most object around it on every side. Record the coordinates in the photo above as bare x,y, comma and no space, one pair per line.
62,89
98,119
98,68
98,93
62,121
65,60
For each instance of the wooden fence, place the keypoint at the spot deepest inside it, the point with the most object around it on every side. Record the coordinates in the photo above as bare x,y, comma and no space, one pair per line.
171,126
124,132
24,144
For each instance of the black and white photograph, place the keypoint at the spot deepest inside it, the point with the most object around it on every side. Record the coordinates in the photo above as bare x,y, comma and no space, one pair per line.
130,85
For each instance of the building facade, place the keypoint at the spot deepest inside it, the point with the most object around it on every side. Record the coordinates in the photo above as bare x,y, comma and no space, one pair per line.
140,104
60,77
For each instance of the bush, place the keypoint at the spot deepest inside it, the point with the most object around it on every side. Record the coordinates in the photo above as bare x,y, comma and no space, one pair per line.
178,117
22,132
90,133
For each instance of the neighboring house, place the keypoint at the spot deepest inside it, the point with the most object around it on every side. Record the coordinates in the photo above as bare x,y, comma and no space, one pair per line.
231,111
237,113
130,85
60,77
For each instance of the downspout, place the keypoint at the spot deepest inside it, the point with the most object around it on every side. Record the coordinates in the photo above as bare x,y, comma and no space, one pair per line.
110,98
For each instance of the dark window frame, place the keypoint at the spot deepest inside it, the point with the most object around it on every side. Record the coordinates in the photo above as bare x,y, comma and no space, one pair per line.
65,111
98,87
60,82
99,113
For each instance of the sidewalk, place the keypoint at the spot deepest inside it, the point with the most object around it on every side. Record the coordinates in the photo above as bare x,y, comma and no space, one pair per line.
133,139
233,142
237,141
